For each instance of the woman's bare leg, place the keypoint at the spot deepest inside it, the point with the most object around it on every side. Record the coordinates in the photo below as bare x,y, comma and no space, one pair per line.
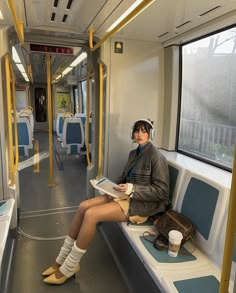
109,212
78,218
100,213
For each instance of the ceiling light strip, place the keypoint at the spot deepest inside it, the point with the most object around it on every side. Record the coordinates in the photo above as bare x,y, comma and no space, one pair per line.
143,5
19,25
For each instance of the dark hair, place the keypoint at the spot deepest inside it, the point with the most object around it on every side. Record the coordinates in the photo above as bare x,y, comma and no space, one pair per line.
139,124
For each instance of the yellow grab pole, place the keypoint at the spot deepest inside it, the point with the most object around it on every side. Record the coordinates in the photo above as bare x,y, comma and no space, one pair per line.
144,4
100,120
15,118
49,120
19,25
10,139
87,118
230,234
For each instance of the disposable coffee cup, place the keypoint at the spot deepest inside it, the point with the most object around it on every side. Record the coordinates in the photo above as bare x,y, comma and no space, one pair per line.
175,238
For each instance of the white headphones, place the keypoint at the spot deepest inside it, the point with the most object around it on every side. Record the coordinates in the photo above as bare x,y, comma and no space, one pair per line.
152,130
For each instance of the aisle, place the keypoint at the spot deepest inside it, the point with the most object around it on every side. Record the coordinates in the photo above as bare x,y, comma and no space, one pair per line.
45,216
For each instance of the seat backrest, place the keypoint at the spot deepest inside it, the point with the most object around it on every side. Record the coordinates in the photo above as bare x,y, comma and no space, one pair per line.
59,123
82,116
24,132
176,175
204,202
73,133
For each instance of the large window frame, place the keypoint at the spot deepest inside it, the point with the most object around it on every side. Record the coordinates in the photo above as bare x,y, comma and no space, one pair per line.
181,146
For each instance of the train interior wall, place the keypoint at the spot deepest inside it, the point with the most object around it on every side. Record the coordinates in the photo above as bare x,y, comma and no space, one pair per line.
134,90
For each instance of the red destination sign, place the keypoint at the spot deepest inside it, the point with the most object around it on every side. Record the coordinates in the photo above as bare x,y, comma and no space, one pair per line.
51,49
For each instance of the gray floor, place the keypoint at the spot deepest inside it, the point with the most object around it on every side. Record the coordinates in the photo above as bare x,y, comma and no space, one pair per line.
46,214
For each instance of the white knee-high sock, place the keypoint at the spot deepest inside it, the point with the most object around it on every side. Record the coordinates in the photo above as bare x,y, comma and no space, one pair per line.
65,250
72,261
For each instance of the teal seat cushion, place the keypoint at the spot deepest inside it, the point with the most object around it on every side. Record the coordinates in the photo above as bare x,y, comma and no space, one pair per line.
207,284
199,205
162,256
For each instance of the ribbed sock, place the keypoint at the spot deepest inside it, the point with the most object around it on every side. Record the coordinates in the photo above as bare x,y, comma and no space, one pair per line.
65,250
72,261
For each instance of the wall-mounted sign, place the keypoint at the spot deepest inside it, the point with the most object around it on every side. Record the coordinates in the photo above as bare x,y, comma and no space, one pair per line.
118,47
51,49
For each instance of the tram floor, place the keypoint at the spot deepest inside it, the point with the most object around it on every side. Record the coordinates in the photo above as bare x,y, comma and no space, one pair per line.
45,216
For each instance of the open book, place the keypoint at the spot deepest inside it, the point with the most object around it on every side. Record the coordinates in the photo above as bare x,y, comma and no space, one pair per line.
106,186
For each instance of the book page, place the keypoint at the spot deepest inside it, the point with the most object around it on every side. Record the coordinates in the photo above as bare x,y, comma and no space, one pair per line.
107,187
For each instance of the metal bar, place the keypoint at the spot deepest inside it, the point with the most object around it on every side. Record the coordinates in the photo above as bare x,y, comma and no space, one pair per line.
49,94
230,234
87,118
10,139
125,21
15,119
19,25
100,120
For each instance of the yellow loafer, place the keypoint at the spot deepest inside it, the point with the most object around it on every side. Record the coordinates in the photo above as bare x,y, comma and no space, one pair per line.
53,280
49,271
58,281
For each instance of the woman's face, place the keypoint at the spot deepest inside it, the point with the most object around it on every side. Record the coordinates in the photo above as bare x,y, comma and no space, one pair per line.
141,135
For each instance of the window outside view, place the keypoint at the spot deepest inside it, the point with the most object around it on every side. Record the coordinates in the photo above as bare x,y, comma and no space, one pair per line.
208,101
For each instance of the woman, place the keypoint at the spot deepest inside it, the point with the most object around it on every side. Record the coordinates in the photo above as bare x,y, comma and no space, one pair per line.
145,181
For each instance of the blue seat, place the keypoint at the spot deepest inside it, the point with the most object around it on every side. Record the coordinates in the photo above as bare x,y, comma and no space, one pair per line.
73,135
61,117
24,135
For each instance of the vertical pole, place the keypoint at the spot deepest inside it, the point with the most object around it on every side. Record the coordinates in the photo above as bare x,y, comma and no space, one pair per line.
100,120
15,119
230,234
10,139
49,120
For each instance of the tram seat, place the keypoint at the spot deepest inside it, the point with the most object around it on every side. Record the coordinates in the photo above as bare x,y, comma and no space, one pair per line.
61,117
6,211
82,116
25,136
205,203
29,114
73,135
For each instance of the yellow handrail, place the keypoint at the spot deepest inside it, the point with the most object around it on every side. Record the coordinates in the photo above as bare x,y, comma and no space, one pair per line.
29,107
67,113
19,25
15,166
8,90
51,183
100,138
25,112
125,21
87,118
230,234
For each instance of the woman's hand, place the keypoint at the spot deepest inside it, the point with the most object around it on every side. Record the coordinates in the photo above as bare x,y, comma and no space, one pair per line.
121,187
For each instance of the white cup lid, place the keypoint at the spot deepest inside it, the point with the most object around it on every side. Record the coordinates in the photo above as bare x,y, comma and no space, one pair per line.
175,234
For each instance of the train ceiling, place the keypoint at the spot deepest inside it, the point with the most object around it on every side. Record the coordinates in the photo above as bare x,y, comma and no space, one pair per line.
162,21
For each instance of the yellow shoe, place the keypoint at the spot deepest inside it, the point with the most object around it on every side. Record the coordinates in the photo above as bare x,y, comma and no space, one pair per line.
49,271
53,280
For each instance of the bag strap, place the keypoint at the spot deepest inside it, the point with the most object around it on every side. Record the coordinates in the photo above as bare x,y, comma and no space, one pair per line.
176,220
154,234
162,245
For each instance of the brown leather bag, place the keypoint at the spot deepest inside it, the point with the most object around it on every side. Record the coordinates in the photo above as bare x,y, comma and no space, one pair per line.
172,220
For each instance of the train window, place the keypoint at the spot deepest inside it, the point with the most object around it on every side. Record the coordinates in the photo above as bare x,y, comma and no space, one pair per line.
207,128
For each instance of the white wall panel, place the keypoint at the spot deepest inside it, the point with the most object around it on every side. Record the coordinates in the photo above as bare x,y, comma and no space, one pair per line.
134,90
